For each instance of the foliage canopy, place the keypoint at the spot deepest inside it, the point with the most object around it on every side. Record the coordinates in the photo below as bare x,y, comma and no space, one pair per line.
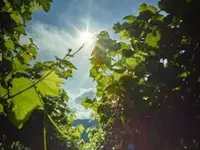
147,82
30,89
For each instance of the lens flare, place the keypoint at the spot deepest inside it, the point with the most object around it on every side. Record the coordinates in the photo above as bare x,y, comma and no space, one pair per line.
85,36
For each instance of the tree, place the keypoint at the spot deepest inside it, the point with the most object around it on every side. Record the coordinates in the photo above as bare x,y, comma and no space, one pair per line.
31,96
147,83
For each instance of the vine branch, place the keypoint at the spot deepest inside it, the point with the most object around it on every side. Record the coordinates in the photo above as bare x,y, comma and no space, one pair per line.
35,83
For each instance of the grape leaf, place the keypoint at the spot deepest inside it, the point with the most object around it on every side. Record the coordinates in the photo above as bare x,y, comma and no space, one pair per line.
131,62
9,44
24,103
145,7
17,66
29,53
152,39
127,53
3,91
130,18
184,74
17,17
79,130
45,4
50,85
1,108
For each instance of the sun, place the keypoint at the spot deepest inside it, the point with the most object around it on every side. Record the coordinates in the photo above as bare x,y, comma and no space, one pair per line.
85,36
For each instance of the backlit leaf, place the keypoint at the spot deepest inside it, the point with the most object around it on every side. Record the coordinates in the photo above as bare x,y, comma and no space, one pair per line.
130,18
87,102
24,103
124,34
3,91
117,27
18,66
9,44
21,29
153,38
184,74
17,17
1,108
45,4
29,53
131,62
145,7
50,85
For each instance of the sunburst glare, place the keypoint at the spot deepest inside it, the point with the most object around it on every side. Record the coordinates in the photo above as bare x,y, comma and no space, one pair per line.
85,36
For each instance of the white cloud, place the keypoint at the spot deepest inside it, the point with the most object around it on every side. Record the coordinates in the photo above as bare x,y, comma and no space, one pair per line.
75,102
53,41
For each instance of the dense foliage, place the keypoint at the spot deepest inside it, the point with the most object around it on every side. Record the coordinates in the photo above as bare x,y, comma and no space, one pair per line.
147,83
28,86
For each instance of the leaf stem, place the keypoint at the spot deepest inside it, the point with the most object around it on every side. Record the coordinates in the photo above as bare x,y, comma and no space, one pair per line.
55,125
44,133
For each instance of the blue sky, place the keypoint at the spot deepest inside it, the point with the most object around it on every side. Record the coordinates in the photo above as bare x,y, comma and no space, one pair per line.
56,31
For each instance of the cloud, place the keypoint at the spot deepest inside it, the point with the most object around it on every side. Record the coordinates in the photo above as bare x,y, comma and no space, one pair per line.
85,93
53,41
75,103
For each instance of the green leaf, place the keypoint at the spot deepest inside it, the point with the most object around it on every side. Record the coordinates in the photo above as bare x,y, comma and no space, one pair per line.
124,34
78,131
152,53
9,44
145,7
3,91
117,76
111,89
27,16
93,72
65,74
1,108
87,102
99,94
103,35
116,46
131,62
119,70
29,53
184,74
127,53
67,64
176,88
45,4
16,17
130,18
21,29
50,85
125,45
117,27
18,66
158,17
153,38
80,128
24,103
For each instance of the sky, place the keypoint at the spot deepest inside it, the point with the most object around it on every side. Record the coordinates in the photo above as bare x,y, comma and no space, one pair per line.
58,30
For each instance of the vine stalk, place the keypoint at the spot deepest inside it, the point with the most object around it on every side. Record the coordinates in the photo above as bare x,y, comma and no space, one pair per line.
35,83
